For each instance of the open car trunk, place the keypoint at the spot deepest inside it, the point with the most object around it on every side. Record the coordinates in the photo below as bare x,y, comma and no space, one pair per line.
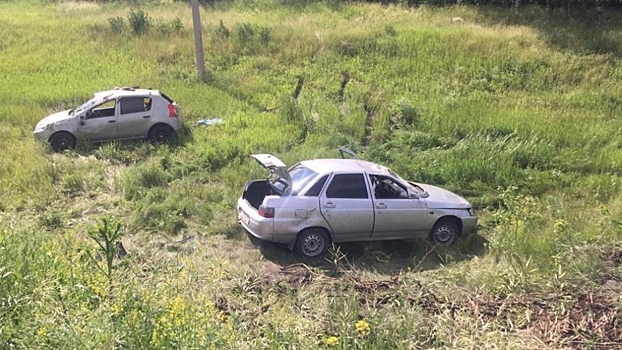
255,191
278,183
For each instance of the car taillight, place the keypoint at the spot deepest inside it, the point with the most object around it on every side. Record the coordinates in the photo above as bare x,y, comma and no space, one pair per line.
172,112
266,212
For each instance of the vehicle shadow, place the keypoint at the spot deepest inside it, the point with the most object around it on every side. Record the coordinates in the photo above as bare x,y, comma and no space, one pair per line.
384,257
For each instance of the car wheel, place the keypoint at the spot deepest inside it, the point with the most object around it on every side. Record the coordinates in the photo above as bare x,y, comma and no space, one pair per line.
160,133
312,242
444,233
62,141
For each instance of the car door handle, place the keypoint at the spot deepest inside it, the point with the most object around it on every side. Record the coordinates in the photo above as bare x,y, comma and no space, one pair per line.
146,116
112,121
381,206
329,205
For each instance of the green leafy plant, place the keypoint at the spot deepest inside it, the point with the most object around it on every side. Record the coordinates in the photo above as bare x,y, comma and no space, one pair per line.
140,22
117,24
177,26
246,31
264,35
222,30
107,233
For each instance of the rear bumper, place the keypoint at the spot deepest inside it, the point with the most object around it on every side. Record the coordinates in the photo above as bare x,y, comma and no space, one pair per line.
175,123
251,221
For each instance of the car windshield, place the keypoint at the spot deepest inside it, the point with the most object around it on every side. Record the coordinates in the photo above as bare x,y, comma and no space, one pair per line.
88,104
301,176
415,189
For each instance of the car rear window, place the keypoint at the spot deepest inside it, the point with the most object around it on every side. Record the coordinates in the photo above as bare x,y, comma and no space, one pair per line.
301,176
166,97
315,190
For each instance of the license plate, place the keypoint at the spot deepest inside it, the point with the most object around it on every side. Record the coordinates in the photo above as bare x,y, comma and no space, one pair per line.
245,219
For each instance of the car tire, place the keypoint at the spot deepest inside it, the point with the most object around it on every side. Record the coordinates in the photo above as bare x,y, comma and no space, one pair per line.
444,233
160,133
312,242
62,141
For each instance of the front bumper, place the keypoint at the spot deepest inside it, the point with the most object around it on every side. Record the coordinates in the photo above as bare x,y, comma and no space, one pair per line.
469,225
43,135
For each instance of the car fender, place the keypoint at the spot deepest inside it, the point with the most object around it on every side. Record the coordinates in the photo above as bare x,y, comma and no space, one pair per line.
294,214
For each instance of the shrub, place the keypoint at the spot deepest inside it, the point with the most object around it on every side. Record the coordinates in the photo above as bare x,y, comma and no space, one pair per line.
405,112
177,25
264,35
139,21
246,32
117,24
222,30
162,27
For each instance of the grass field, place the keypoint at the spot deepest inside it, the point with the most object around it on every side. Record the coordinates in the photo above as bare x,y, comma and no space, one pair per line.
518,110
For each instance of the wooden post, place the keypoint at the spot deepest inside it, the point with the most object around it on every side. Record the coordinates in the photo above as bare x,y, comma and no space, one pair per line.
198,39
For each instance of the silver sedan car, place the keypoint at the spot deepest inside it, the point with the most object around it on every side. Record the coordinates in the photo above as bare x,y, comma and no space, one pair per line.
118,114
319,201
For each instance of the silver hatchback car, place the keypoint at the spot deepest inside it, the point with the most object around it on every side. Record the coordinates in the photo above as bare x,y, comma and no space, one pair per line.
343,200
118,114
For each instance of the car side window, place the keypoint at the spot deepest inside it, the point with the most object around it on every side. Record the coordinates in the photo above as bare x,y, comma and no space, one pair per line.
315,190
387,188
135,104
103,110
347,186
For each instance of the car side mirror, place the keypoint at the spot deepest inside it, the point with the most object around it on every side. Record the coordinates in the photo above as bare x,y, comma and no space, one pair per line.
89,114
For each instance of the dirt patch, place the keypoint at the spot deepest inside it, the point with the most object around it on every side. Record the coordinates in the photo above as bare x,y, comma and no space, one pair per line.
615,257
295,274
583,318
369,125
576,321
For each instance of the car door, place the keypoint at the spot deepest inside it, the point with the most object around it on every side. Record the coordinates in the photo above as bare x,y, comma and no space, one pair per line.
135,117
100,122
347,207
396,215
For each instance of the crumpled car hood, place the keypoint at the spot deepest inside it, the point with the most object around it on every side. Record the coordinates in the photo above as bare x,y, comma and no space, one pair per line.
54,118
442,199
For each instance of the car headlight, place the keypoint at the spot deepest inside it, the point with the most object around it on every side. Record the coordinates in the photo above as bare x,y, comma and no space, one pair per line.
471,211
40,128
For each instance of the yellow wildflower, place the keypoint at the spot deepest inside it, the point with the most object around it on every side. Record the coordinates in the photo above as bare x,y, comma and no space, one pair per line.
331,341
177,306
42,333
116,309
362,327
